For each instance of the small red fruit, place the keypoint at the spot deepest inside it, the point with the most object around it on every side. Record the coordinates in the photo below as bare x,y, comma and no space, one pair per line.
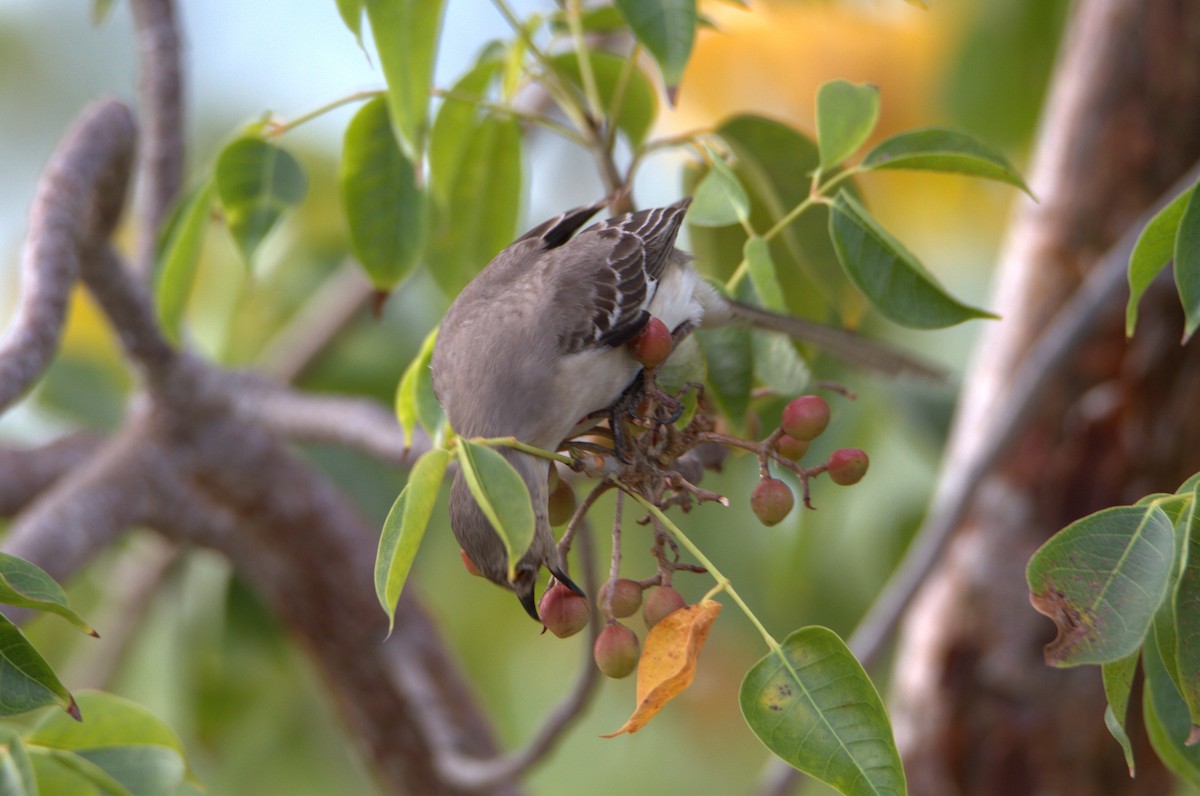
771,501
661,601
564,613
468,563
847,466
616,651
791,448
627,597
805,417
561,504
652,345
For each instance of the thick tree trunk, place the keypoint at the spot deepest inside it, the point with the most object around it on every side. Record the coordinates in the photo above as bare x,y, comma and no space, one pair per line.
976,711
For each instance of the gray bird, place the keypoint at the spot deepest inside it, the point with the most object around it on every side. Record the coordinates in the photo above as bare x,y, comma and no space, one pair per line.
536,343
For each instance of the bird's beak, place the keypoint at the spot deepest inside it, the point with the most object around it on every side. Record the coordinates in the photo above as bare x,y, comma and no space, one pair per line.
562,578
530,605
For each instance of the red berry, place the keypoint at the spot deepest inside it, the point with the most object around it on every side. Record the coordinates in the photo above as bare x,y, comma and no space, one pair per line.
661,601
791,448
468,563
561,504
771,501
616,651
847,466
564,613
652,345
627,597
805,417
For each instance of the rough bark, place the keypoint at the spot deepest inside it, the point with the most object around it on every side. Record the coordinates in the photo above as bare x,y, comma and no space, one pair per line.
975,709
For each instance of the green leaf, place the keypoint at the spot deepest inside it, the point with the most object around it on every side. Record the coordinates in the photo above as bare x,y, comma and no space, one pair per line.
1102,579
385,208
61,772
406,34
16,769
25,584
351,12
778,365
120,738
812,704
405,526
480,216
730,359
846,115
667,28
775,162
415,399
1185,601
1154,248
501,495
935,149
719,200
888,275
1166,716
455,125
762,274
1118,682
28,681
256,183
684,367
111,721
179,257
638,102
1187,265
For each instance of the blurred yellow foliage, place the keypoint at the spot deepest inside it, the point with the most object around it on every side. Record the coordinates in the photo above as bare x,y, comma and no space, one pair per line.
771,59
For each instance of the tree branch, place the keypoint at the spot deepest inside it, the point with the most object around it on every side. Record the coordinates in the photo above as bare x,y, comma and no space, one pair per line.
161,114
78,200
29,471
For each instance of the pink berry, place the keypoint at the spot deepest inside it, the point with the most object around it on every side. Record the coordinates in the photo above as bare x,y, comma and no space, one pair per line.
847,466
659,602
791,448
627,597
771,501
805,417
616,651
652,345
564,613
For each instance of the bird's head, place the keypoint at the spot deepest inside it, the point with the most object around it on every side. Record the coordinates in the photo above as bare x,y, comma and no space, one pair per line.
481,544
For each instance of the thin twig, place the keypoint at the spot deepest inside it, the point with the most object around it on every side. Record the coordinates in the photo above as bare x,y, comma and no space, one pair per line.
301,340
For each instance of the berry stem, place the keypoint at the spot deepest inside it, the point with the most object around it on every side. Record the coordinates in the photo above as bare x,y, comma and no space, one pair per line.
723,583
615,566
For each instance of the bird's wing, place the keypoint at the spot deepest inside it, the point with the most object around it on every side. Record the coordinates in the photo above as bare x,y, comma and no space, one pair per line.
606,276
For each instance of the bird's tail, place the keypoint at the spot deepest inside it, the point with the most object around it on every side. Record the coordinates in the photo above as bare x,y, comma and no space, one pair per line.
843,344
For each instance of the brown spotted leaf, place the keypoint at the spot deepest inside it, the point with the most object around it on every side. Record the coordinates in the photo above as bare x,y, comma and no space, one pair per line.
668,661
1101,580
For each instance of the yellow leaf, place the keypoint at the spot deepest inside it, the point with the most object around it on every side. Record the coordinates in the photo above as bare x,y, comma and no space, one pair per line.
668,661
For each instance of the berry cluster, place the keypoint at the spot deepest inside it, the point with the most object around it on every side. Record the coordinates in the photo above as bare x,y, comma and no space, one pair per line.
647,449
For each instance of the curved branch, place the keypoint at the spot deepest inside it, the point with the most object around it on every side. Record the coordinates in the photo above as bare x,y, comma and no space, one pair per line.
78,200
25,473
476,773
90,506
160,105
302,339
131,311
358,423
